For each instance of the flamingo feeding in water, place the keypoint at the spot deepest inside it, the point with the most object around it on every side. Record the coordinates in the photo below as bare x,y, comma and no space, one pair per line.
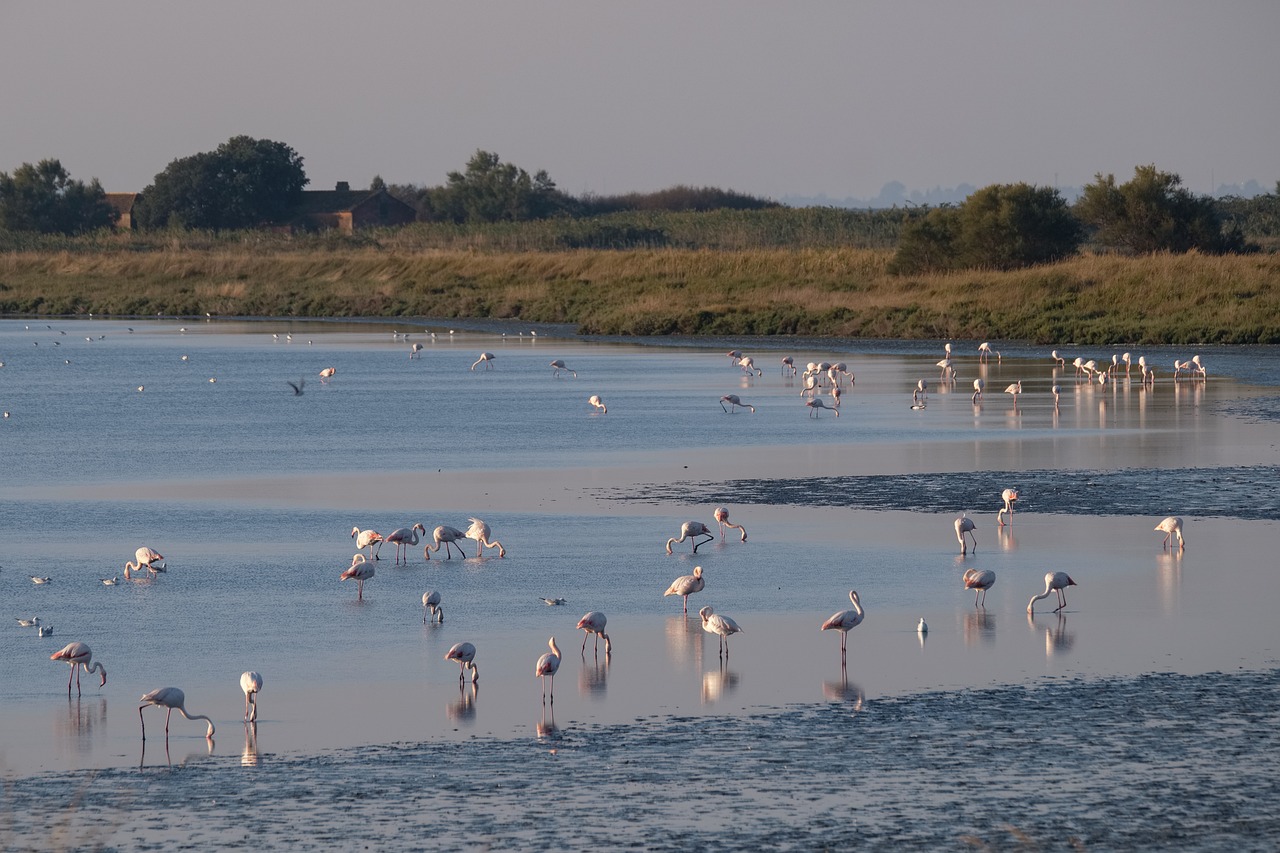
748,365
171,698
448,536
431,605
146,559
479,531
692,530
735,403
595,401
964,524
788,366
981,581
558,365
687,585
465,655
415,351
359,571
80,656
547,666
251,684
722,518
1171,526
1009,496
816,404
367,539
593,623
984,350
714,623
978,385
486,358
326,375
845,621
1062,362
1053,582
402,538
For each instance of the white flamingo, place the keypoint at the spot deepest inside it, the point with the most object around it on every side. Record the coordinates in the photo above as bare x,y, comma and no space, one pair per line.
980,581
80,656
403,538
480,532
735,403
171,698
722,518
1062,362
486,358
326,375
415,351
367,539
146,559
558,365
692,530
1053,582
465,655
748,366
449,537
978,385
964,524
687,585
714,623
546,667
1057,392
594,400
251,684
1009,496
359,571
788,366
593,623
1171,526
984,350
815,405
845,621
431,605
1015,389
921,391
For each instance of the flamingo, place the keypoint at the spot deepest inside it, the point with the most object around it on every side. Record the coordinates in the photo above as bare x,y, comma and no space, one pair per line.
734,354
748,365
359,571
465,655
1090,367
1128,363
1199,368
447,536
326,375
1015,389
171,698
479,531
1057,391
1062,362
814,405
547,666
80,656
788,366
1078,363
978,385
146,559
922,627
921,392
692,530
842,369
593,623
845,621
595,400
431,605
251,684
964,524
415,351
367,539
810,386
947,348
1171,526
486,358
835,396
687,585
735,403
1009,496
558,365
945,365
714,623
981,581
1053,582
722,518
403,537
984,350
1115,363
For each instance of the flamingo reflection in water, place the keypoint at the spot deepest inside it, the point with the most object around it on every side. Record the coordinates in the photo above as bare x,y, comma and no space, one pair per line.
718,683
463,709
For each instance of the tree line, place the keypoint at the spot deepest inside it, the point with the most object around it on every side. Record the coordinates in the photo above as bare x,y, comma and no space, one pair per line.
248,183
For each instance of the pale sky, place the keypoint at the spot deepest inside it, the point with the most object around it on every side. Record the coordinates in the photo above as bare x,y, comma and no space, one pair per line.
769,98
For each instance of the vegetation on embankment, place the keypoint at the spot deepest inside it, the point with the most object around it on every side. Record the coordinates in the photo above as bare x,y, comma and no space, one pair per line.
1094,299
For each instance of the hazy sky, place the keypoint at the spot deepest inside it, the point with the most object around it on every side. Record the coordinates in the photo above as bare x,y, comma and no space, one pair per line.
776,99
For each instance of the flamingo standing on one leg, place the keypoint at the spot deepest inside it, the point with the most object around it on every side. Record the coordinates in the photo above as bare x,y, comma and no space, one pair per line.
687,585
714,623
146,558
1009,496
359,571
367,539
1171,526
486,358
735,403
547,666
845,621
251,684
722,518
465,655
479,531
80,656
692,530
171,698
431,605
593,623
981,581
450,537
964,524
403,537
594,400
1053,582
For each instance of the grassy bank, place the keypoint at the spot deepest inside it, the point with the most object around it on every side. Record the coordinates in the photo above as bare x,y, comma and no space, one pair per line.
818,291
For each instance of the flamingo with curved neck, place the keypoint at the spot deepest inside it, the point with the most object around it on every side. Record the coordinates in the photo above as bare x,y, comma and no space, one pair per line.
80,656
171,698
845,621
1053,582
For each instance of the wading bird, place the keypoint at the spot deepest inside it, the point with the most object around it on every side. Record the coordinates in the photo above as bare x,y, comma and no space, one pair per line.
1171,526
714,623
359,571
748,365
367,539
547,666
431,605
788,366
449,537
80,657
595,401
402,538
171,698
692,530
686,585
1053,582
814,405
1015,389
735,403
1009,496
980,581
558,365
486,358
984,351
251,684
1057,391
593,623
465,655
722,518
479,531
978,385
964,524
845,621
326,375
415,351
147,559
1062,362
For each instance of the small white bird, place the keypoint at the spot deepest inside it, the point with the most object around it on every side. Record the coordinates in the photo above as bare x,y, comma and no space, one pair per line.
923,627
552,602
110,581
38,580
33,622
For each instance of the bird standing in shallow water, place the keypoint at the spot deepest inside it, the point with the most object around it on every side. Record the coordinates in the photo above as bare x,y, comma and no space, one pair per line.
816,404
1172,526
546,667
734,403
431,605
981,581
686,585
1053,582
964,524
722,518
465,655
450,537
845,621
359,571
480,532
714,623
146,558
402,538
593,623
486,358
367,539
692,530
1009,496
595,401
80,656
251,684
171,698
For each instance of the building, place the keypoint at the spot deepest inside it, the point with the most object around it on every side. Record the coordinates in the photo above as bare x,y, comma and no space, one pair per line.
124,204
347,210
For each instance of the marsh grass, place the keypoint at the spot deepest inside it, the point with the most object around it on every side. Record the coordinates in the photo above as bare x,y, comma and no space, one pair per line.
831,291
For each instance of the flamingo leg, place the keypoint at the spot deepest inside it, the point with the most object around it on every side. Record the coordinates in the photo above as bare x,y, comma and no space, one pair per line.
584,642
166,723
73,672
76,670
144,724
686,613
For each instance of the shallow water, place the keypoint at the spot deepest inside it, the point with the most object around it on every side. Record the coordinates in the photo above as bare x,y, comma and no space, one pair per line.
251,492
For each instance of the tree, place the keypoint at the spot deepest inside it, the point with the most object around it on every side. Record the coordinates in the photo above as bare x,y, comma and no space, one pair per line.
493,191
1152,213
44,198
244,183
927,242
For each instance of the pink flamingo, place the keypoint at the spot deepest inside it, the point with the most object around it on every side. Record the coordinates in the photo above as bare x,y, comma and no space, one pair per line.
486,358
465,655
734,403
359,571
171,698
981,581
686,585
714,623
367,539
594,400
1053,582
448,536
80,656
547,666
479,531
251,684
431,604
692,530
1009,496
788,366
816,404
593,623
403,537
722,518
146,558
964,524
748,365
1172,526
558,365
845,621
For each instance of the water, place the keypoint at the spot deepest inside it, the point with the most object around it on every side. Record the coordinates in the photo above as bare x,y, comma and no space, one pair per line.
251,492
